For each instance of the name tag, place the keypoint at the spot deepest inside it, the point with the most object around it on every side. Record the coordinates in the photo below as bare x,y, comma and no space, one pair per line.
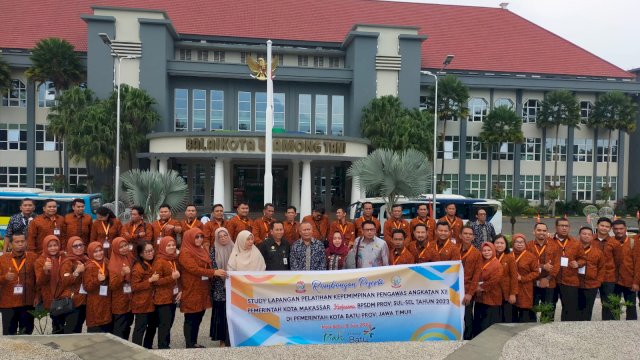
106,245
158,241
56,232
564,261
537,283
285,261
18,290
126,288
582,270
176,290
480,283
204,278
130,247
103,290
82,291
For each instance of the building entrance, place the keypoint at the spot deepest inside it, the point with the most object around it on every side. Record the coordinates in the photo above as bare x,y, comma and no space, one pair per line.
248,185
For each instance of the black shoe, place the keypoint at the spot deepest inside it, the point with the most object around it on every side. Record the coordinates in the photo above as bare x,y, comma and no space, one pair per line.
198,346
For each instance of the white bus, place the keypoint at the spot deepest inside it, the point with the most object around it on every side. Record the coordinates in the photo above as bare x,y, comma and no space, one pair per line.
466,208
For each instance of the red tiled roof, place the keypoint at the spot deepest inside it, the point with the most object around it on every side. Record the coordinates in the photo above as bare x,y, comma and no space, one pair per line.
482,39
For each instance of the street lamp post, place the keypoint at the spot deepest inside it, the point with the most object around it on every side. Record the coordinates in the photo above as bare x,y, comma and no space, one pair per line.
105,38
446,62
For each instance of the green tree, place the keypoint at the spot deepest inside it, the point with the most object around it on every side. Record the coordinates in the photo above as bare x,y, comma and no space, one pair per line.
388,125
514,207
5,76
54,59
453,97
501,125
391,174
613,111
559,108
152,189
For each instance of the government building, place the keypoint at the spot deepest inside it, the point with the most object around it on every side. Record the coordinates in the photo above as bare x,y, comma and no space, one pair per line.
334,58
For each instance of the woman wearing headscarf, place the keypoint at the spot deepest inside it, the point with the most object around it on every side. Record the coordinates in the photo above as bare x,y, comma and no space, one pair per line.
47,269
509,283
71,271
527,265
489,291
196,272
120,264
336,252
96,284
167,289
219,254
245,256
143,282
105,229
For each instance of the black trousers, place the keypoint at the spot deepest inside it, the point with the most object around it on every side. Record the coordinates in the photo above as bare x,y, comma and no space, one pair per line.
523,315
57,324
484,316
606,288
629,296
586,298
468,321
165,314
507,312
542,295
122,325
106,328
145,329
192,328
17,321
569,299
218,329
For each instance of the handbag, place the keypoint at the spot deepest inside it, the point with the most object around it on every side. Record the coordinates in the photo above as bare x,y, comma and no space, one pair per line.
61,306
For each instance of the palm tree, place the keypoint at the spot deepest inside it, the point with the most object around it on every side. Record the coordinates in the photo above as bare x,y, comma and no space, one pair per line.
152,189
54,59
613,111
453,96
390,174
514,207
5,76
501,125
559,108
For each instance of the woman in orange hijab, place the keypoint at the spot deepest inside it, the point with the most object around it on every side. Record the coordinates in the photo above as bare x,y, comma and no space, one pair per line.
527,264
71,270
167,289
120,264
47,268
96,284
487,309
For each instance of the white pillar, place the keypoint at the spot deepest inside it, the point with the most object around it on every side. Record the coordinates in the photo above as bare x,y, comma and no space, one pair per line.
305,193
355,189
295,184
219,183
153,165
162,165
228,182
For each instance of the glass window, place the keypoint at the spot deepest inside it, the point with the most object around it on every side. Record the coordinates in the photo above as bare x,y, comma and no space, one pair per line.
586,107
477,109
218,56
199,116
197,182
304,113
560,182
46,94
203,55
503,102
337,115
474,149
44,141
244,111
278,110
452,184
531,149
13,136
451,148
261,111
44,178
601,181
583,150
334,61
318,61
530,110
181,109
322,109
243,56
506,183
503,152
13,176
216,110
16,96
530,187
77,176
303,60
603,150
476,185
551,150
581,188
185,54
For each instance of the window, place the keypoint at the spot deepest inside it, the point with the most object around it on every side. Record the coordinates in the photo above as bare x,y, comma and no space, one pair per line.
181,109
322,109
46,94
16,96
506,183
197,184
337,115
503,152
244,111
452,184
203,55
278,110
477,109
318,61
280,59
503,102
603,150
199,115
530,187
476,185
44,177
216,110
583,150
303,60
243,56
218,56
185,54
586,107
474,149
13,176
304,113
531,149
581,188
601,181
261,111
13,136
530,110
77,176
560,182
553,150
334,62
45,141
451,148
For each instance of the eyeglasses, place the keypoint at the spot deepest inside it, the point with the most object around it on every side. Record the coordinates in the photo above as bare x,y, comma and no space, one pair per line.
78,246
373,229
199,236
150,251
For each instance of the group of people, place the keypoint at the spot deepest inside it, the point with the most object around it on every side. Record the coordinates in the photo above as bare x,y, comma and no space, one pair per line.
130,279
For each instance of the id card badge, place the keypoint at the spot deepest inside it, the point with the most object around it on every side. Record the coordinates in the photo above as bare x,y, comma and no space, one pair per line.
582,270
18,290
105,244
175,290
564,261
537,283
56,232
204,278
82,291
126,288
130,247
158,241
285,261
103,290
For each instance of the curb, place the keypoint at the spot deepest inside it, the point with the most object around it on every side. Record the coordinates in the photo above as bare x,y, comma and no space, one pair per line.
489,344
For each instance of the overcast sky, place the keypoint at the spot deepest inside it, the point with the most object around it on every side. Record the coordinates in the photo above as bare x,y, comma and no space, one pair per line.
609,29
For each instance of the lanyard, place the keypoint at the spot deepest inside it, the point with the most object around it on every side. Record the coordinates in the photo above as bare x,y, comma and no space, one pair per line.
173,265
162,226
451,223
487,264
135,227
395,262
397,225
106,229
541,250
423,250
246,222
561,245
519,256
15,265
343,229
264,223
190,226
467,252
500,258
100,268
588,250
443,246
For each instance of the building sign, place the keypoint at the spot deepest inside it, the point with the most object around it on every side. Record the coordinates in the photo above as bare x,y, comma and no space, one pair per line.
283,145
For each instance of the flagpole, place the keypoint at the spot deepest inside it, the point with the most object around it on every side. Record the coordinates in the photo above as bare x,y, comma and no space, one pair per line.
268,151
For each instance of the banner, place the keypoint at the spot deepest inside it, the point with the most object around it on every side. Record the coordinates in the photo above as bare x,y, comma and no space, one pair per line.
393,303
